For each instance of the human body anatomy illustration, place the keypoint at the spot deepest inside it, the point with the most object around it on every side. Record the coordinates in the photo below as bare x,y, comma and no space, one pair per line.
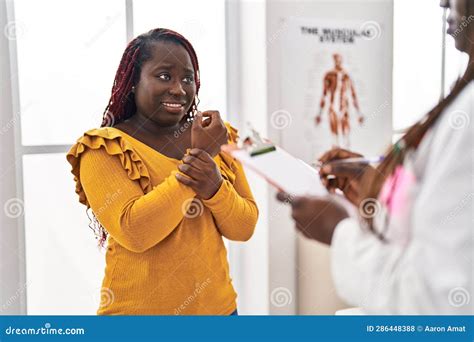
338,87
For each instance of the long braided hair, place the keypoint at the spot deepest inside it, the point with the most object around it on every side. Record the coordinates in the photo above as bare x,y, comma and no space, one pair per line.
397,153
122,106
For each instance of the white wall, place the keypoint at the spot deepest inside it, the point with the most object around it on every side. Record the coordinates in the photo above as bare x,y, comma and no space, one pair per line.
247,102
298,265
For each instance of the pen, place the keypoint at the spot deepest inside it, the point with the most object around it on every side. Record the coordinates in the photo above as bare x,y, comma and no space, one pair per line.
359,160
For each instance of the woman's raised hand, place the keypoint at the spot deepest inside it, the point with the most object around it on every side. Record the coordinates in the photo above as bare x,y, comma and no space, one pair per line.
208,132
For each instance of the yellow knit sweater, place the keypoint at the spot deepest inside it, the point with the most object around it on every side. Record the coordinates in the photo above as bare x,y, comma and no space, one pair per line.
165,253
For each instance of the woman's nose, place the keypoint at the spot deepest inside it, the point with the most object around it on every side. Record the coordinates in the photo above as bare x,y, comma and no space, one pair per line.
177,89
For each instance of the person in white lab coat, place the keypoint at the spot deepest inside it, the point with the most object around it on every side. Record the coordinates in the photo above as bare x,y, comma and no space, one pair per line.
410,250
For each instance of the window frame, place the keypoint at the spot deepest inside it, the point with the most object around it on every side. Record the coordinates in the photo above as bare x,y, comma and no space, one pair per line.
21,150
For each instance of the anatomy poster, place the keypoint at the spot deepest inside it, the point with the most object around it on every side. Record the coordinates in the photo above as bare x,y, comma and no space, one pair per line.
335,86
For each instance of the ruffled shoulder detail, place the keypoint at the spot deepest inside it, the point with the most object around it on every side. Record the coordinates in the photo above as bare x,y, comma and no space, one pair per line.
233,133
229,164
113,142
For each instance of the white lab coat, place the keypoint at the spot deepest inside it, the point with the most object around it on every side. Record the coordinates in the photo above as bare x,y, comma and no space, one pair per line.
426,267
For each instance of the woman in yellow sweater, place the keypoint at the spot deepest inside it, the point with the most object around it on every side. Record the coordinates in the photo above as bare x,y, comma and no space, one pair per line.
162,193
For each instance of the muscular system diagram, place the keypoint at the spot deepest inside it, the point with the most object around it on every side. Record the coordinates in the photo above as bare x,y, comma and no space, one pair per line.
338,88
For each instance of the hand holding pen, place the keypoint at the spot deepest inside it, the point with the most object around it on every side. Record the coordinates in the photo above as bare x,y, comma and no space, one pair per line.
355,160
347,171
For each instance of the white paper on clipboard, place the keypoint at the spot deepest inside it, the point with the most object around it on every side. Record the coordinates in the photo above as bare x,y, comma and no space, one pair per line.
284,171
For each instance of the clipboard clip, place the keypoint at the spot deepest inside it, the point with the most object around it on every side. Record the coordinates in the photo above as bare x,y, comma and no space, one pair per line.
255,145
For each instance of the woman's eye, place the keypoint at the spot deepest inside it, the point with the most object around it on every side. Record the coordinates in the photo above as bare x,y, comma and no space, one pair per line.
188,79
165,77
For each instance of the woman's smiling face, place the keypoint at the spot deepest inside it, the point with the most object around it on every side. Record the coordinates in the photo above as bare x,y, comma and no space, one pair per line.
166,88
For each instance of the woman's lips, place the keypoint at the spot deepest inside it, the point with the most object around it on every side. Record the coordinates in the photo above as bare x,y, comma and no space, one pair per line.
173,107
